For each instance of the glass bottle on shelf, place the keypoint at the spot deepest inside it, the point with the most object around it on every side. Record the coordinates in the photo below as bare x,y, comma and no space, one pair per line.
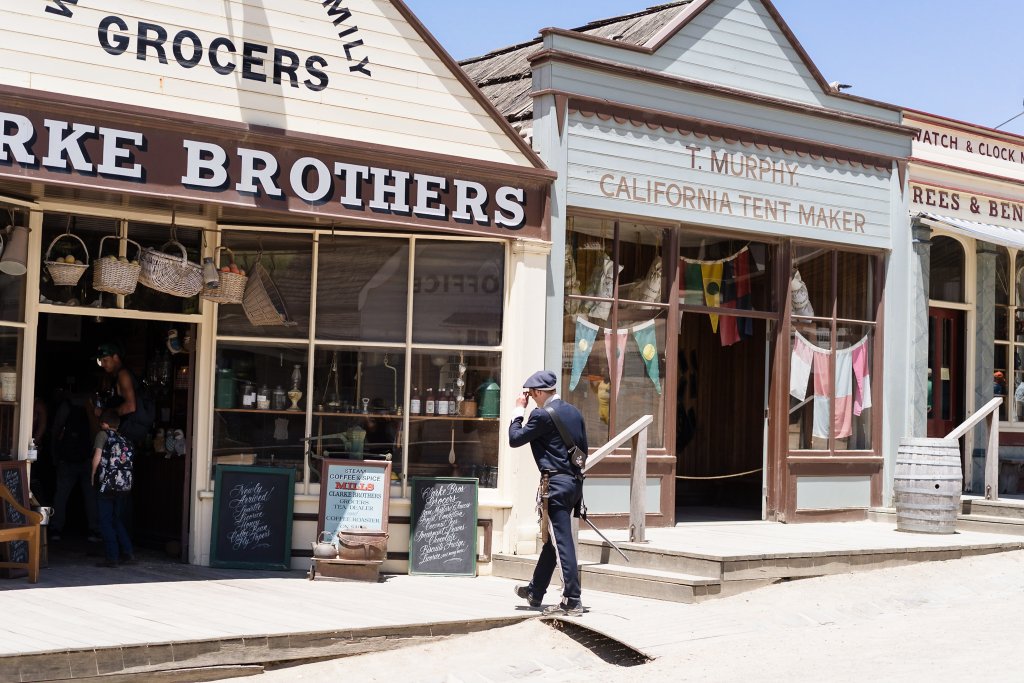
279,400
414,402
249,396
453,404
442,402
430,404
263,398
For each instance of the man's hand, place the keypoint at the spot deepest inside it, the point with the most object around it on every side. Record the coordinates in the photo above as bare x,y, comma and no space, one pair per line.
522,399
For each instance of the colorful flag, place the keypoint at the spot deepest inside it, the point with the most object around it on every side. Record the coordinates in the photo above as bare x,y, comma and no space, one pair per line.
711,273
647,342
620,353
586,333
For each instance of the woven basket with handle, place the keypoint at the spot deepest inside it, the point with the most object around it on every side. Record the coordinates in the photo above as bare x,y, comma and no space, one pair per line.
109,274
66,273
171,274
262,302
232,285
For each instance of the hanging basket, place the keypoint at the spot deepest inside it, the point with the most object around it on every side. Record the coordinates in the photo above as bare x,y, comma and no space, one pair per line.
232,285
171,274
262,301
66,273
111,274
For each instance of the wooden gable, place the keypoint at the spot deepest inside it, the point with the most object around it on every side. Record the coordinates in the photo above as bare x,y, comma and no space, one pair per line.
360,70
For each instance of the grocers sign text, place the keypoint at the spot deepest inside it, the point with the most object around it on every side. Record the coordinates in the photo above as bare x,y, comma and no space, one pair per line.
157,41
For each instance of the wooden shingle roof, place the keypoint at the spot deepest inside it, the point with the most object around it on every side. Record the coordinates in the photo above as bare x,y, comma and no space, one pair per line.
504,75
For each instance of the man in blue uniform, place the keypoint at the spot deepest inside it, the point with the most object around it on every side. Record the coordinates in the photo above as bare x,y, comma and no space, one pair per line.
561,487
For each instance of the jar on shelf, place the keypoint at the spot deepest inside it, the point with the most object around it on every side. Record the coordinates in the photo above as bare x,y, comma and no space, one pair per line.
279,400
249,395
263,398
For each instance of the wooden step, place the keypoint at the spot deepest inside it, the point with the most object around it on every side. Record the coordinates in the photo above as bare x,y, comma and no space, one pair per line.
990,524
642,556
625,580
1009,509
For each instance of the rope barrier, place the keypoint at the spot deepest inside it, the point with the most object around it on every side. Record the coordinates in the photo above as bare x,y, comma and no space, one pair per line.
723,476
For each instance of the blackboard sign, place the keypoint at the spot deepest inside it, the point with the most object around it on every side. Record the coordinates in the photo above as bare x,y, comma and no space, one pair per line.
442,535
354,494
252,517
14,475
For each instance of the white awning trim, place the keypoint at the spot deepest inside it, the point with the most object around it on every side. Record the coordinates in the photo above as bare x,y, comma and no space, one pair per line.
996,234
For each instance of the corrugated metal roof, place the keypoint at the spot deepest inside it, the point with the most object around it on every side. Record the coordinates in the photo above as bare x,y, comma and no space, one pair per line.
504,75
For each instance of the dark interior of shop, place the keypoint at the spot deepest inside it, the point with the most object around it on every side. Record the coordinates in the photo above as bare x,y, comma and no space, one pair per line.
720,407
68,383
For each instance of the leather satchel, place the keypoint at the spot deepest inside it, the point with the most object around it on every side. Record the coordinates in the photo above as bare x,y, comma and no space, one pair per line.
577,456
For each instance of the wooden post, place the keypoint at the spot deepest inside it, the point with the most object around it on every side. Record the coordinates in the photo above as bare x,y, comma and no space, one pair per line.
638,488
992,458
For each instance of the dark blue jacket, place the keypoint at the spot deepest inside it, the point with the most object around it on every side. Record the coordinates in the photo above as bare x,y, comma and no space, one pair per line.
549,451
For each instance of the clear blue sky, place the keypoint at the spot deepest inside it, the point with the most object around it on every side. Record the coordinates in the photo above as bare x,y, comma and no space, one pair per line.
964,60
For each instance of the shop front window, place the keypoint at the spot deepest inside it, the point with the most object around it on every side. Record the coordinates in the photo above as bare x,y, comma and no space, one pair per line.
1002,375
458,292
947,274
74,244
1009,335
11,400
616,309
280,304
418,386
832,355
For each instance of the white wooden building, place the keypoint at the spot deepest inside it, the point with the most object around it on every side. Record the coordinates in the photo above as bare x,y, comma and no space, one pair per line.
401,219
705,165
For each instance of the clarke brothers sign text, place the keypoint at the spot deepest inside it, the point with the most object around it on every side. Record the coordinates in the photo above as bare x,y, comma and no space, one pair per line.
145,40
175,156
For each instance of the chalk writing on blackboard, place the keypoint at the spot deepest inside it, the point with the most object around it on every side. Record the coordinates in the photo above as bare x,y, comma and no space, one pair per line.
248,511
252,517
443,537
15,551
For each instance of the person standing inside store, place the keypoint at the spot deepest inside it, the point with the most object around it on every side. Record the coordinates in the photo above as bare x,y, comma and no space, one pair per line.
125,396
71,437
561,487
112,469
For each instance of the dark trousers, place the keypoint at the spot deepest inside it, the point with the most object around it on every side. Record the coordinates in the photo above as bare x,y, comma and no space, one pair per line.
564,494
116,543
68,475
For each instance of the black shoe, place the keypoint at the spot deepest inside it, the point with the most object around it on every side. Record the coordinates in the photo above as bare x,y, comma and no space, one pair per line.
525,594
110,564
128,559
564,609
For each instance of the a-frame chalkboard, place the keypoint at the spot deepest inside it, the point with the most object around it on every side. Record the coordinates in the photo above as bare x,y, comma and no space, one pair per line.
442,532
252,517
14,475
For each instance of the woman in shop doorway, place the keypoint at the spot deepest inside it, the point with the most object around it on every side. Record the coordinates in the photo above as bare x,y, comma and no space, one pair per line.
126,395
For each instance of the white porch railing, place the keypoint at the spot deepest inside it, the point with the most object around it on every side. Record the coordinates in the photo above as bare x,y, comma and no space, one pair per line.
990,413
637,473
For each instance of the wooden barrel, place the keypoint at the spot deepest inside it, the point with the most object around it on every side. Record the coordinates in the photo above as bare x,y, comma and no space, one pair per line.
928,483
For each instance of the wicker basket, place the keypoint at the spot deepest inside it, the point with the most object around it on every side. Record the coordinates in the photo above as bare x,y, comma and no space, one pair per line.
262,302
171,274
232,285
66,273
113,275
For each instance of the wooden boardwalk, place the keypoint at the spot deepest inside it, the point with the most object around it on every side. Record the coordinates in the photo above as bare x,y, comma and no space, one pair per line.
81,620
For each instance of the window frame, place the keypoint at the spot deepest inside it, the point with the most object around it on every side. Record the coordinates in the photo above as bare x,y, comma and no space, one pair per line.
311,343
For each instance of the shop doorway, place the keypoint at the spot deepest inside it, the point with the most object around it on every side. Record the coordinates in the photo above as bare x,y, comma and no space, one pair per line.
946,370
69,381
720,420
